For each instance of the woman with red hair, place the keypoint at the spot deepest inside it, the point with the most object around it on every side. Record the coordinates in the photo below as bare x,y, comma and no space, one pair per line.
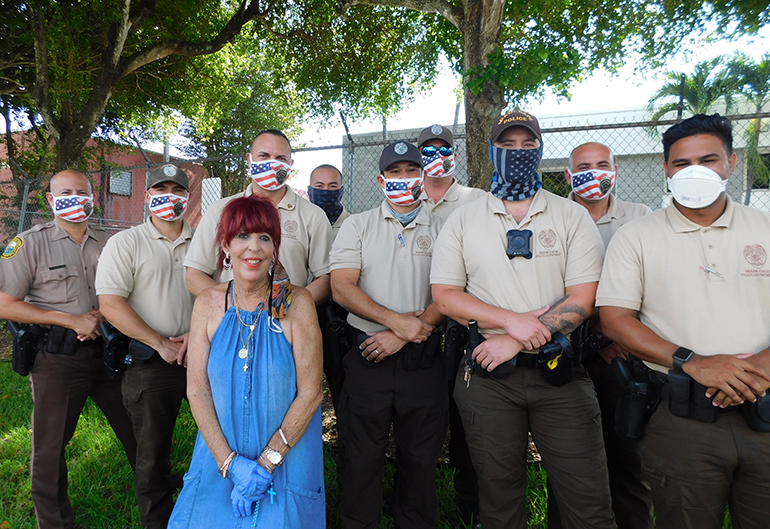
254,385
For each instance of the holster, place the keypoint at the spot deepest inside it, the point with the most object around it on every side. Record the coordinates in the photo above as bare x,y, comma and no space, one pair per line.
557,360
62,341
115,350
26,343
334,333
586,344
757,414
138,353
639,399
454,342
687,398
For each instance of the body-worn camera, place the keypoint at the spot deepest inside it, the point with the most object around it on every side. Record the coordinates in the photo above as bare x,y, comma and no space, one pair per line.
519,244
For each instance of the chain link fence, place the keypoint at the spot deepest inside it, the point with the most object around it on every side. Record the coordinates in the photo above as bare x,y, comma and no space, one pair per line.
119,189
636,145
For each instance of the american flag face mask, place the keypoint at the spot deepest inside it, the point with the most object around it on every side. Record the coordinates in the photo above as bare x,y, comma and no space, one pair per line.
73,208
269,174
403,191
593,184
168,206
437,166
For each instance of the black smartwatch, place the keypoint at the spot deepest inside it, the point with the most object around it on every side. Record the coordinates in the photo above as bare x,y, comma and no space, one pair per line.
681,356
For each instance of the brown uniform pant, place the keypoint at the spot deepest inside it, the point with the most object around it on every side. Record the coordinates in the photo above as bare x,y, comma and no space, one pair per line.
565,425
60,386
629,488
415,402
697,468
152,394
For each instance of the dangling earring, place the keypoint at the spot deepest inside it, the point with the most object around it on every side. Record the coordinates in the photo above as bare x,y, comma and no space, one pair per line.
272,265
227,263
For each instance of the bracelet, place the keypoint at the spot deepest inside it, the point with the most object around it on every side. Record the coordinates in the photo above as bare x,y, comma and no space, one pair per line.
283,437
226,465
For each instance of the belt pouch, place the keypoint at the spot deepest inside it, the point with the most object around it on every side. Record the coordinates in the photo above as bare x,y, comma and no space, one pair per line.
679,402
757,414
704,410
115,350
139,352
62,341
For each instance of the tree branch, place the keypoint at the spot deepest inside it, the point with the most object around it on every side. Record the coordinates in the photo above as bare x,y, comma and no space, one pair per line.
191,49
452,13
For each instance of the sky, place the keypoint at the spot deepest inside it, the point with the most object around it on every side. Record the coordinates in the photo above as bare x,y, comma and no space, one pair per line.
599,92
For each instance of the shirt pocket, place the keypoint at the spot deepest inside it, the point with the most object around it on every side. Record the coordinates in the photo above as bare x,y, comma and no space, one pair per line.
59,285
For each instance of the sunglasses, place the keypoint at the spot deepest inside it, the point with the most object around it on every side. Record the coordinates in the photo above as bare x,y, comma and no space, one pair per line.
430,150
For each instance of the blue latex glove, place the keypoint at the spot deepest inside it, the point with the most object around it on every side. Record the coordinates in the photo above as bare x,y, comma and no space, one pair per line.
250,478
241,506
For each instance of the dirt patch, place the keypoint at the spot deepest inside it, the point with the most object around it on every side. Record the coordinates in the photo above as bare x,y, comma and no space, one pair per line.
6,342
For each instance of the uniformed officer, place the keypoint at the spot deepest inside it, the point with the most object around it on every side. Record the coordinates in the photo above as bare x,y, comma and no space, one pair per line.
524,264
305,232
380,265
442,195
687,289
326,191
592,173
47,278
142,292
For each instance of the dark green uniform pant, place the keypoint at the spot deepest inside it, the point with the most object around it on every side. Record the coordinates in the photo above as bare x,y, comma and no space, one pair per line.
60,386
565,424
629,488
152,394
697,468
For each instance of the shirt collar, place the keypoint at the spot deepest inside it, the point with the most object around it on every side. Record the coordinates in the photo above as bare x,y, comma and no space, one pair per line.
538,205
61,233
682,224
155,234
423,217
613,212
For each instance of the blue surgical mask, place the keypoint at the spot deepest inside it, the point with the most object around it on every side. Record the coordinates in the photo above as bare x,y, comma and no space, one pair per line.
329,200
516,175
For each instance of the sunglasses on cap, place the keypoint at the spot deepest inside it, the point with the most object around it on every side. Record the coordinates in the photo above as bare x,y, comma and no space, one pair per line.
430,150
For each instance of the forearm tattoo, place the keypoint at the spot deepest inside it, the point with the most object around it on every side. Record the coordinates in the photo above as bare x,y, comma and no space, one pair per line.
564,317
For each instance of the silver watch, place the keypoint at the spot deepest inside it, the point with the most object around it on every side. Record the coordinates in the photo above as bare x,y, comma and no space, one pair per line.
273,457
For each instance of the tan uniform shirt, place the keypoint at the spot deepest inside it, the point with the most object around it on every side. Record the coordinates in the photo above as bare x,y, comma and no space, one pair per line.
471,252
46,267
306,237
147,269
619,212
654,266
394,260
338,223
457,195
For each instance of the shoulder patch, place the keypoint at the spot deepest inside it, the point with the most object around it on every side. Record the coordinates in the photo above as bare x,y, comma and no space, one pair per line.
13,247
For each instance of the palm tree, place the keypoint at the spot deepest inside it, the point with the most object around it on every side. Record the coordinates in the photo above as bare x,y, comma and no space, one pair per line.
753,81
702,90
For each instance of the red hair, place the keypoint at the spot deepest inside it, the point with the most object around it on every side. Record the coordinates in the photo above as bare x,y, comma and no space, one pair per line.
252,214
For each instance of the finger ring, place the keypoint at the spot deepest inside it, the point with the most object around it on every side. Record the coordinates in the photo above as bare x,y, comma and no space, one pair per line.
376,352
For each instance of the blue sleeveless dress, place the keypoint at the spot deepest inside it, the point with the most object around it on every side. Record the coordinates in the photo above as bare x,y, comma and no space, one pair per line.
251,403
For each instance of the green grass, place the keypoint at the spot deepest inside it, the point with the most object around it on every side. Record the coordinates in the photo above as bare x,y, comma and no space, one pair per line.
101,483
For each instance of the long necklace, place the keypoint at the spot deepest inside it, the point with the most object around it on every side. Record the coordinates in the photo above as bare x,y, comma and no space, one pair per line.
244,352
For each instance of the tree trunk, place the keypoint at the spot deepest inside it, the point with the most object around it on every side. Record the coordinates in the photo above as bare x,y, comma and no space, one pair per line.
481,36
